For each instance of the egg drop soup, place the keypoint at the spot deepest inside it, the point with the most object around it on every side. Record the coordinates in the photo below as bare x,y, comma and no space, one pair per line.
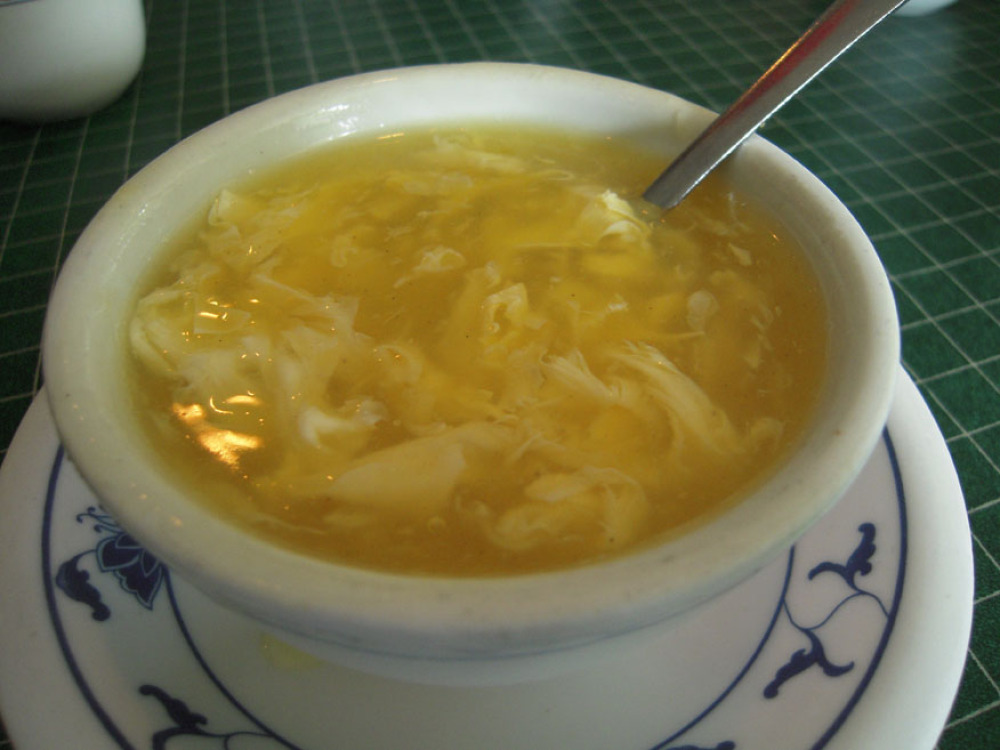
475,352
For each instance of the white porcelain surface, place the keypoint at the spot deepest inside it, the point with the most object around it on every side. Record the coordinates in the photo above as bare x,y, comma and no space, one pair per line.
922,7
498,619
67,58
893,636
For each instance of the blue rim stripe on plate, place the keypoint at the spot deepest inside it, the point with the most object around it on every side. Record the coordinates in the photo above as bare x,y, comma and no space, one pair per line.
897,476
233,700
50,598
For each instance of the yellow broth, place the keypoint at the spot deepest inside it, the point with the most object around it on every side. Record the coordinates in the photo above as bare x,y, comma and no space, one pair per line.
475,351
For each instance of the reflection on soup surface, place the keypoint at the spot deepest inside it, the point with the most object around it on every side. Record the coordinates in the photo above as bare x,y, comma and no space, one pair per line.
474,352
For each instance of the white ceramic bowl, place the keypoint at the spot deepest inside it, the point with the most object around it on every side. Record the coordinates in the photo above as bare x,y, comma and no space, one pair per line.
427,628
67,58
922,7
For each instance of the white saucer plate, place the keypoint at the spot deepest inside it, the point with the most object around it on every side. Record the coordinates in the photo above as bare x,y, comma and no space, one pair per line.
854,639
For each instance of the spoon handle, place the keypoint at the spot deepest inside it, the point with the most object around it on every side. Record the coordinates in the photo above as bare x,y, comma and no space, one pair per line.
842,24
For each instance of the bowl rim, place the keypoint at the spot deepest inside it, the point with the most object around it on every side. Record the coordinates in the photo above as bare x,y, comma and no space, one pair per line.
445,618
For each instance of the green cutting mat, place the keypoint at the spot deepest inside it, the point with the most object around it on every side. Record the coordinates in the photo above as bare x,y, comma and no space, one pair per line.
904,129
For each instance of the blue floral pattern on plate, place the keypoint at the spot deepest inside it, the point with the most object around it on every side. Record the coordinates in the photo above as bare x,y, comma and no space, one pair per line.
113,562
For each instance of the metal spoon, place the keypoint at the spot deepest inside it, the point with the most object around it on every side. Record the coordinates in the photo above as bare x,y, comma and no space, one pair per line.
842,24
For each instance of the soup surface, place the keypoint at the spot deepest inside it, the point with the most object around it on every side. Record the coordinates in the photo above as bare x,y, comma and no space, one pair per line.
475,352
